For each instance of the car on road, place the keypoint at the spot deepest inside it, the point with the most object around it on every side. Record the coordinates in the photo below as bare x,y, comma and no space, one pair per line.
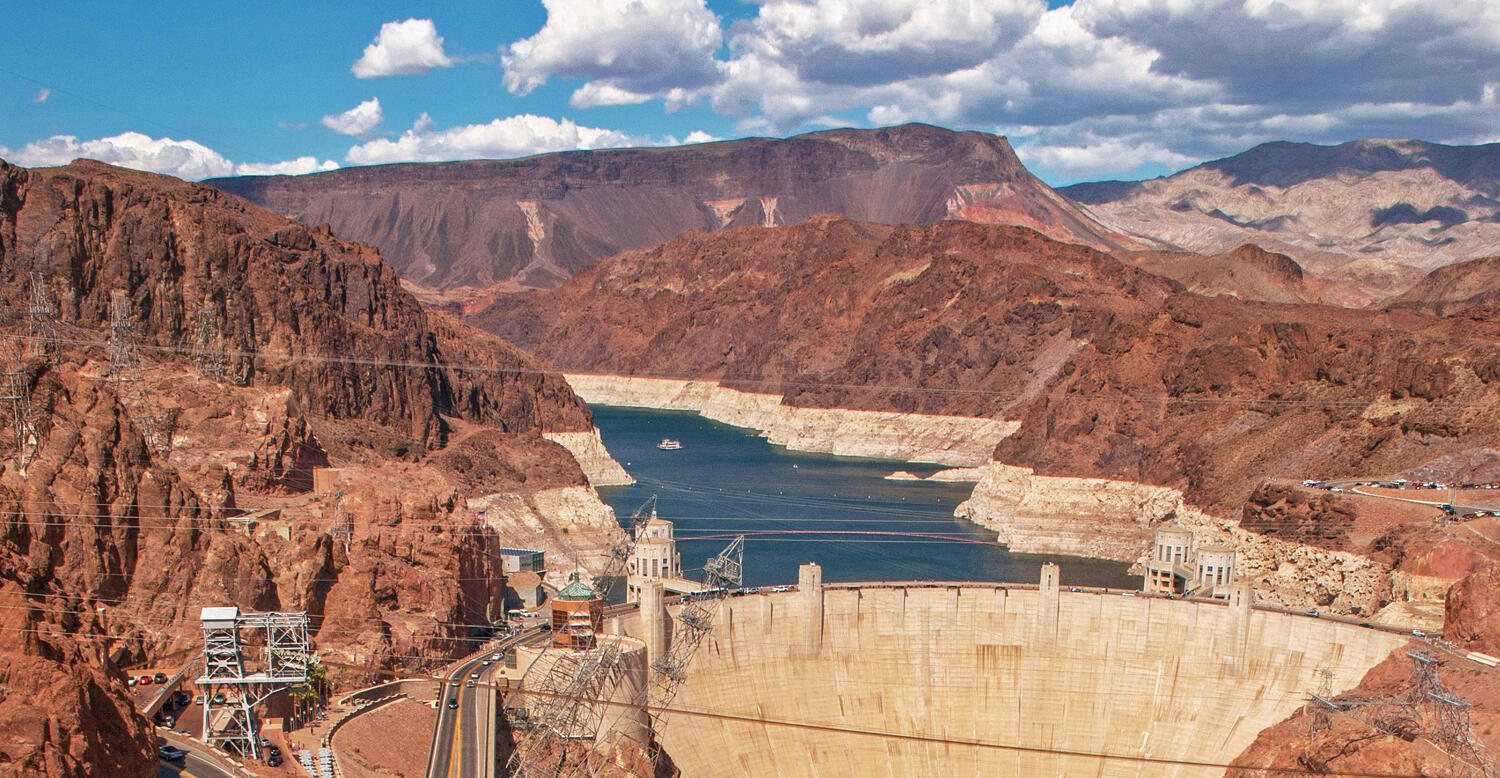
171,753
474,676
159,678
144,680
496,657
781,588
274,760
452,703
1314,614
470,683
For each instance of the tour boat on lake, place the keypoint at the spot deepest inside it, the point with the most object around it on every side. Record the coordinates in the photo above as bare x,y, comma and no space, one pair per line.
668,444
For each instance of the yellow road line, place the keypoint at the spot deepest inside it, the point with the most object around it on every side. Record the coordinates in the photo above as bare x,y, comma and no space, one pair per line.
455,756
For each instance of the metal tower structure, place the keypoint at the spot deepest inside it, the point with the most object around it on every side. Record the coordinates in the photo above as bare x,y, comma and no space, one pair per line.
121,348
231,690
17,391
722,573
41,320
208,351
342,526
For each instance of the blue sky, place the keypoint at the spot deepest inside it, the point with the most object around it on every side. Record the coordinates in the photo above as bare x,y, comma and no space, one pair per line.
1088,89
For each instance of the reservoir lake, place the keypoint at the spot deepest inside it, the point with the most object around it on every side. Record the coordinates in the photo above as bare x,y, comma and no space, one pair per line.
796,507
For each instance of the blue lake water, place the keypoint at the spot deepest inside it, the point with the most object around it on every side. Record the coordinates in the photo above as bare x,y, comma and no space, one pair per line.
796,507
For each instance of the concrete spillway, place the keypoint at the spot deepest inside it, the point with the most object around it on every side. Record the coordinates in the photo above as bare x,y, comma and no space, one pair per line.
1044,680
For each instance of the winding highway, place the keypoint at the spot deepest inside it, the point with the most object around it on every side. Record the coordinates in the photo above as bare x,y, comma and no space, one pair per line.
462,743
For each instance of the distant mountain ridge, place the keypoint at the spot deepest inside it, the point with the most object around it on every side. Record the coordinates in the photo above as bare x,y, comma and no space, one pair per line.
1370,216
495,224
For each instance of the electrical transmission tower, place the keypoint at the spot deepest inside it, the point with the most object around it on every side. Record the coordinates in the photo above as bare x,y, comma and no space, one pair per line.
1448,718
342,526
41,320
121,347
721,574
208,350
231,689
17,391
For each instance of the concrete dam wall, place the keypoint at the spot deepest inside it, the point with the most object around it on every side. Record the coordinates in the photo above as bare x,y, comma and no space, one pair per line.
889,680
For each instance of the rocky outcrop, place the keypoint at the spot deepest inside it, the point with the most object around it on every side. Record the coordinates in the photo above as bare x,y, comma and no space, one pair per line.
472,226
1093,517
1472,619
1299,515
588,448
1368,216
910,437
571,524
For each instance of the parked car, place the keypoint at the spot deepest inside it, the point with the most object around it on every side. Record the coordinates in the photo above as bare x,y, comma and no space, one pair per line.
159,678
274,760
144,680
130,681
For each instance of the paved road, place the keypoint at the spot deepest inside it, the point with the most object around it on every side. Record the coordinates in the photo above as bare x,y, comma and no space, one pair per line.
199,762
463,732
192,766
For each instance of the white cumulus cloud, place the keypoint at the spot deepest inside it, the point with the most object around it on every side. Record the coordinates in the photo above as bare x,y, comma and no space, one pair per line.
184,159
513,136
406,48
291,167
359,121
627,50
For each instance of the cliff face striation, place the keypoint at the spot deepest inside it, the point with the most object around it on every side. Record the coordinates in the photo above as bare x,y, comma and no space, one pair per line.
293,432
493,224
1369,217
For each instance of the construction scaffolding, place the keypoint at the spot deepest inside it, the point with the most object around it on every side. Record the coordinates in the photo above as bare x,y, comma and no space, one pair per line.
231,691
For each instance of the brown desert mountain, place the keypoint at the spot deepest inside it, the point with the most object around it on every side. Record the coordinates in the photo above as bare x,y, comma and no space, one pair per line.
1455,288
1112,371
468,228
1370,216
1248,272
173,488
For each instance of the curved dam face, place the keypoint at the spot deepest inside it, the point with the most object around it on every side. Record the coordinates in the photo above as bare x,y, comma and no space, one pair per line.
891,680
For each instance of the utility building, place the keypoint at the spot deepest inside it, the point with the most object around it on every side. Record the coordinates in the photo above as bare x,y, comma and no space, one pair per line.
577,616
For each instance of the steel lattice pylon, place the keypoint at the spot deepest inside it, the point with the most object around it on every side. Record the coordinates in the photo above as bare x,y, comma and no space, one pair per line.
120,347
41,323
18,392
230,693
722,573
208,351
